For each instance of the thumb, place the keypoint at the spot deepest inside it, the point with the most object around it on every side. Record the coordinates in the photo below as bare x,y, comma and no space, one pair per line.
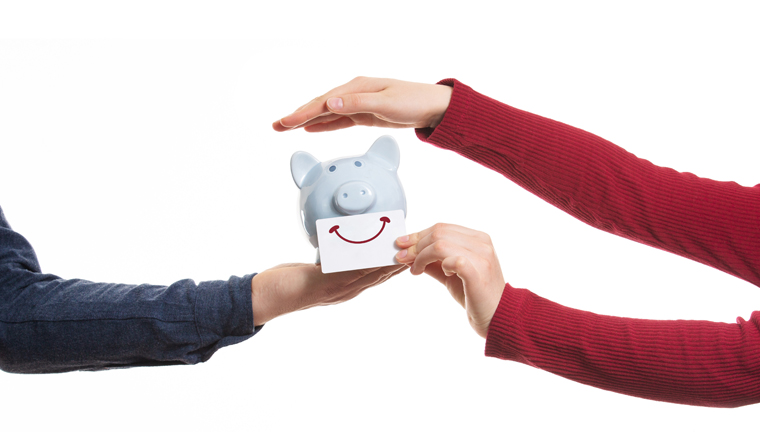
356,103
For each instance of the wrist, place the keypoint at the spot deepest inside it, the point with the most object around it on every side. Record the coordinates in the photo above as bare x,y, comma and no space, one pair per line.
261,300
281,290
441,101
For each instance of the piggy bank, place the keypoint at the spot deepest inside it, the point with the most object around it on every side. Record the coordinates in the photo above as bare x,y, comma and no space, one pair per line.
349,185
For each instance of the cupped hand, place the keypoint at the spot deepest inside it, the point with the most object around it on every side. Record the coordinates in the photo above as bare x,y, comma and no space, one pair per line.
463,260
295,286
375,102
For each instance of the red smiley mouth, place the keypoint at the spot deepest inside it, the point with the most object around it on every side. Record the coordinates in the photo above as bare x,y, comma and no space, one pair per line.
382,219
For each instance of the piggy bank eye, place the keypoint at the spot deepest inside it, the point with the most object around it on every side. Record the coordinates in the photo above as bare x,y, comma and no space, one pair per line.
358,164
331,169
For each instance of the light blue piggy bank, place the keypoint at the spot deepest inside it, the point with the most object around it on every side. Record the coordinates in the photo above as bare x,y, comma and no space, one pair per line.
348,185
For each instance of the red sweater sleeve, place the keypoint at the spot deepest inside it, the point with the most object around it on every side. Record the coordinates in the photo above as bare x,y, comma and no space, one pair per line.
715,223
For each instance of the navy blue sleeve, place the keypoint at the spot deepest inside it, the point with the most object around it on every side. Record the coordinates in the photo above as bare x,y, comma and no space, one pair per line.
49,325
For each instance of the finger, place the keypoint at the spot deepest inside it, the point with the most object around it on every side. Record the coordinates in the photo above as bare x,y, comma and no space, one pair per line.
408,251
434,270
438,252
415,243
311,111
360,84
308,111
407,240
318,106
363,105
324,122
473,241
338,124
449,227
367,119
396,271
360,274
358,103
374,271
378,276
277,125
462,268
329,117
387,272
408,245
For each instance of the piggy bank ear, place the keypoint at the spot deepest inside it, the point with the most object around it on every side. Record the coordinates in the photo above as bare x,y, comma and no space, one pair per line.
385,150
300,164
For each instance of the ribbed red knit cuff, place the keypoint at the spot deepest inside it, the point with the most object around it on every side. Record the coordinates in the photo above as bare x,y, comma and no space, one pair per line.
506,323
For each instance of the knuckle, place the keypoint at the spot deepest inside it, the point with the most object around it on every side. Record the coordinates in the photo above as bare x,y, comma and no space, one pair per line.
354,100
485,238
361,273
487,265
414,237
411,252
486,250
439,228
437,234
360,81
460,263
440,246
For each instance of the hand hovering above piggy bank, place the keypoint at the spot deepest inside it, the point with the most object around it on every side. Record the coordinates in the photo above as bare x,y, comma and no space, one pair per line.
349,186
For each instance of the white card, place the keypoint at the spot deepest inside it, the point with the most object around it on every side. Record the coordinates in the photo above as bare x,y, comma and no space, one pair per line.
359,241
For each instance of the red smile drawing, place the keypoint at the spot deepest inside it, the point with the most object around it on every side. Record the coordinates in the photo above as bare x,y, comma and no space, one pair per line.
382,219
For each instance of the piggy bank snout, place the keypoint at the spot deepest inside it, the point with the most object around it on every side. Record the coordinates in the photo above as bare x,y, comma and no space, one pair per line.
355,197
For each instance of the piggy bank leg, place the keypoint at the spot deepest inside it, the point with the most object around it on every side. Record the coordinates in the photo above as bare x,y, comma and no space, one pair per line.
318,261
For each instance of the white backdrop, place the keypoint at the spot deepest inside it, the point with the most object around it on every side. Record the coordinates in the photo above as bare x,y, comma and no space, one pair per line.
135,146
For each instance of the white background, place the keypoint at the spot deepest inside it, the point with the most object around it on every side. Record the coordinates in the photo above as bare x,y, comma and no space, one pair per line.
135,146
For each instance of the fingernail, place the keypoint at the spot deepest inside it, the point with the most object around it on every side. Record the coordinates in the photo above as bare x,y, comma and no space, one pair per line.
335,103
283,124
403,239
401,254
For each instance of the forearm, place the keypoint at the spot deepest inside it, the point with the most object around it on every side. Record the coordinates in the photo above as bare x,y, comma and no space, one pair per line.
715,223
62,325
689,362
48,324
